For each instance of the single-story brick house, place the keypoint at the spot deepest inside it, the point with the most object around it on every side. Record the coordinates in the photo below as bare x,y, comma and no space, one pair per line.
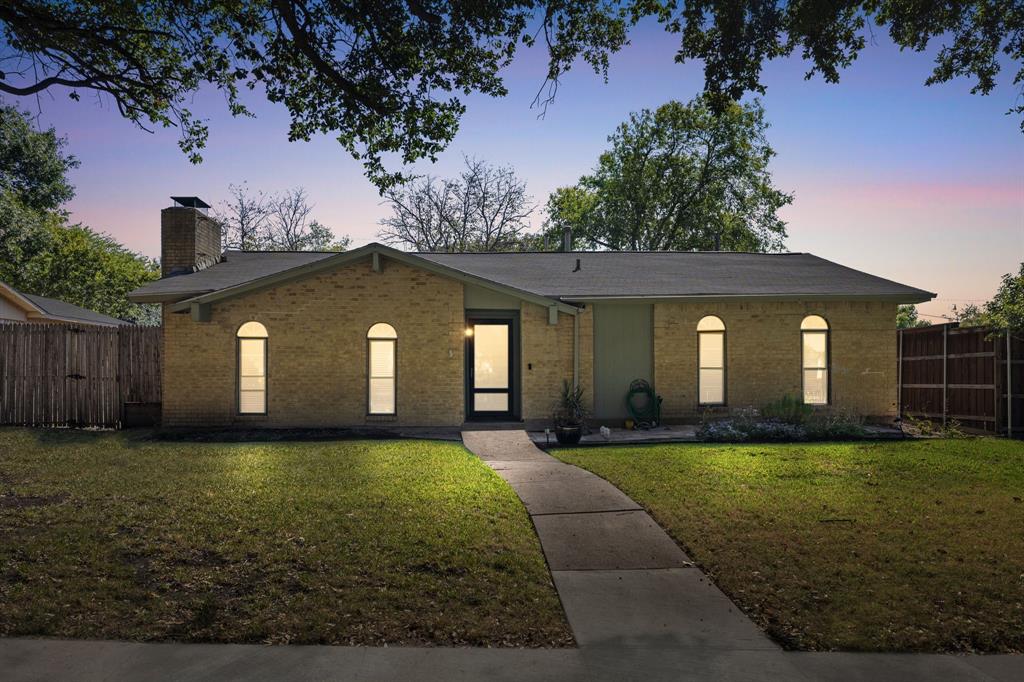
376,335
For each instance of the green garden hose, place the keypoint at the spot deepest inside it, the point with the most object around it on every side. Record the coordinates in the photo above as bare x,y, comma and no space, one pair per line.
643,405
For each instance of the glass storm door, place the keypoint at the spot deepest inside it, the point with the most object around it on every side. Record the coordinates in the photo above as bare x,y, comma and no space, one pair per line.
489,365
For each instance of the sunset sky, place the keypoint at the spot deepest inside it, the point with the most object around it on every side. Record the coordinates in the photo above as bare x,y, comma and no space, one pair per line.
921,185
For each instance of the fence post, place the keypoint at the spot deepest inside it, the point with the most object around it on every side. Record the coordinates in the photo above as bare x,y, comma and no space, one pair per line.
945,366
1009,384
899,378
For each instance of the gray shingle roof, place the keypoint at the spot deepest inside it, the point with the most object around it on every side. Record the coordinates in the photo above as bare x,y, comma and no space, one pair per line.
237,267
653,274
600,275
67,311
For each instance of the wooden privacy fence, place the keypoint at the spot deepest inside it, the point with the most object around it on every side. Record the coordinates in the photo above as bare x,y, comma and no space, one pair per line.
61,375
973,375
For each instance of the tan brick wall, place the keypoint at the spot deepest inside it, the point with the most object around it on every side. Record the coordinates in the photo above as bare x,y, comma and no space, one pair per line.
547,359
317,363
763,354
189,241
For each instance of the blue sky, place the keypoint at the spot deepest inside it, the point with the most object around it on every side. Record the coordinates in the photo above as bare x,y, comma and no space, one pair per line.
924,185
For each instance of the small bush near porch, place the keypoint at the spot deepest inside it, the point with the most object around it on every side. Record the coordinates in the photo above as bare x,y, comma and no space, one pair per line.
351,542
892,546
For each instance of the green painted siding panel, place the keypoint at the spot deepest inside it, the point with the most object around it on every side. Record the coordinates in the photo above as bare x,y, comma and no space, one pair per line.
623,351
479,298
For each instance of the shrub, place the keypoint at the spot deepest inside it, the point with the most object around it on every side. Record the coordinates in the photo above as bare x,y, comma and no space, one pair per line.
789,409
748,427
723,431
835,427
776,431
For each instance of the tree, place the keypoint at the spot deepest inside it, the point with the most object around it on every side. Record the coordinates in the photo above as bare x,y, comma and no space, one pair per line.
971,315
568,211
907,318
486,208
293,229
33,187
256,221
91,270
39,252
245,218
386,77
679,178
1006,308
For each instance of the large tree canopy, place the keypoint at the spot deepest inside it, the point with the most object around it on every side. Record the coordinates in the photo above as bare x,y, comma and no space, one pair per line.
39,252
678,178
386,77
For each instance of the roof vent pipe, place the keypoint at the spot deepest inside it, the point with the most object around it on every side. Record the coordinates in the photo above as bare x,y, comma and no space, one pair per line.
577,268
566,239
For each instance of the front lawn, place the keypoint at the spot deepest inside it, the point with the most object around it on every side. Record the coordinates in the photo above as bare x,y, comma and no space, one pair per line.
108,535
893,546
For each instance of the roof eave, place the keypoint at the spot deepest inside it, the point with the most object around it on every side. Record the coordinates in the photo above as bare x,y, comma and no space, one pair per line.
909,297
139,296
48,317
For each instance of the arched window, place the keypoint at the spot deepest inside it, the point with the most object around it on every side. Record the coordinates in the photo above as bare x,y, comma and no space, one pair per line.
711,361
252,368
815,363
381,343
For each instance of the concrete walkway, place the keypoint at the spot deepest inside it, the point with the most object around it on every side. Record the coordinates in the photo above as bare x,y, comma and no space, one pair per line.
637,606
624,583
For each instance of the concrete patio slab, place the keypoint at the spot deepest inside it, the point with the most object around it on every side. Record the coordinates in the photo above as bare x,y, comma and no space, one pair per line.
606,541
675,608
677,433
583,494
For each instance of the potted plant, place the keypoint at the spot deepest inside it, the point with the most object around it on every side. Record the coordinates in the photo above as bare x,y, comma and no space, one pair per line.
570,414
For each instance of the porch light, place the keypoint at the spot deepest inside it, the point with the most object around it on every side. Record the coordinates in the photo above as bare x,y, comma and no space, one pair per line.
469,331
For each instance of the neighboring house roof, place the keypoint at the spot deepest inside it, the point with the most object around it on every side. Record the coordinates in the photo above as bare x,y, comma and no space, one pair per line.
555,276
40,308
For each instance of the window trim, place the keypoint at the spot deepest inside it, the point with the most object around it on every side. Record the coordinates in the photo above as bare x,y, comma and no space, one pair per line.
828,361
238,371
369,370
724,367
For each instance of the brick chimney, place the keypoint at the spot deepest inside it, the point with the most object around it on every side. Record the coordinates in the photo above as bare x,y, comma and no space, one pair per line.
190,239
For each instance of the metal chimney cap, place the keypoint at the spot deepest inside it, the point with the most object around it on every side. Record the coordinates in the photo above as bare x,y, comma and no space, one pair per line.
190,202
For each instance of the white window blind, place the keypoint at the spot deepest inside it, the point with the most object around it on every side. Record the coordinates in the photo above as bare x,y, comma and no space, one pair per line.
711,361
382,376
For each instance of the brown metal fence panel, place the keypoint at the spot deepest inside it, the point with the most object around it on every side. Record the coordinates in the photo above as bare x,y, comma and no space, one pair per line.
951,373
62,375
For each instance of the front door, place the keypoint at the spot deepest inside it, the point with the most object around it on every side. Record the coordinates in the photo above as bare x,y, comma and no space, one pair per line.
490,369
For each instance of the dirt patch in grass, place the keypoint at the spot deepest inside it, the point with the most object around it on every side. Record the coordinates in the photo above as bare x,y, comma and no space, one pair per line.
115,536
893,546
13,500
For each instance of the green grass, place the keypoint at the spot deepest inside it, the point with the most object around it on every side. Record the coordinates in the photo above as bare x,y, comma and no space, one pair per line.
895,546
105,535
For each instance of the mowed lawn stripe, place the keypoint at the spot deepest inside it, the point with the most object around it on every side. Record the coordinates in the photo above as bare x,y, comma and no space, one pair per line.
889,546
352,542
